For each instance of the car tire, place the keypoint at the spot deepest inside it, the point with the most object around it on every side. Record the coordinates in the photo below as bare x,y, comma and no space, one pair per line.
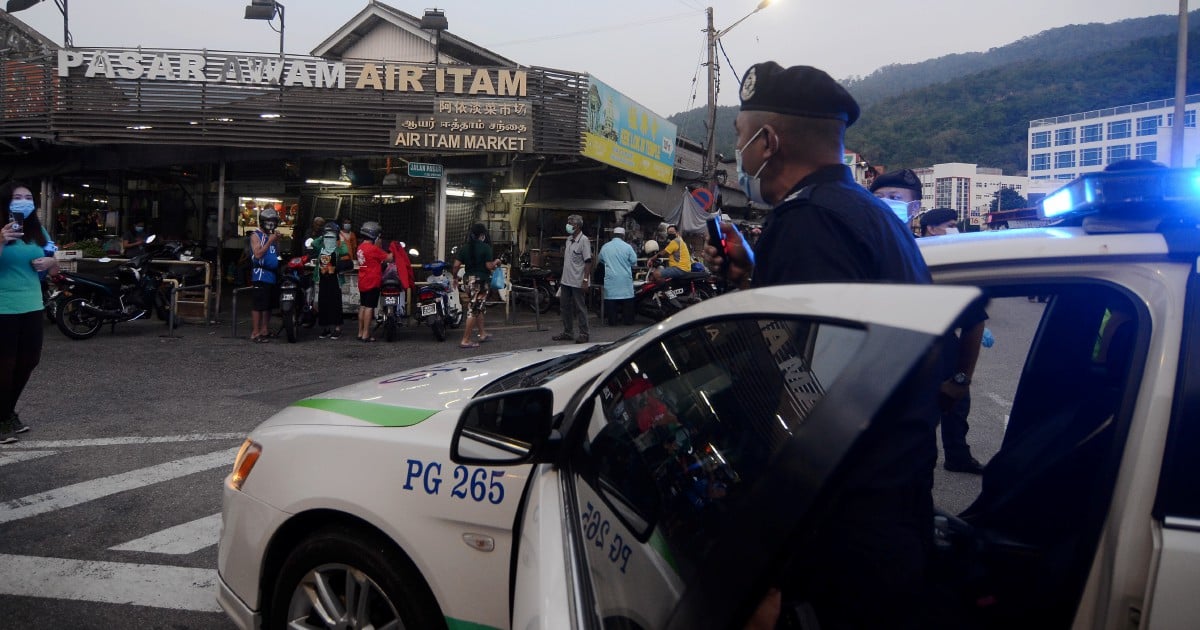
333,557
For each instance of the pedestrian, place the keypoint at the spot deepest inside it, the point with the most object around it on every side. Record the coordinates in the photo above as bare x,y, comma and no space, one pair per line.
618,259
330,250
864,563
133,242
264,274
901,190
351,241
23,255
370,277
679,257
575,281
480,261
938,222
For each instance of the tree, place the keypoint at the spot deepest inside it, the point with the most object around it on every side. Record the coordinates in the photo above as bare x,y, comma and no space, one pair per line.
1009,199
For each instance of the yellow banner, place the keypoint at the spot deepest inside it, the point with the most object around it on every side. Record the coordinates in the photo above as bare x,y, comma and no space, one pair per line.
608,152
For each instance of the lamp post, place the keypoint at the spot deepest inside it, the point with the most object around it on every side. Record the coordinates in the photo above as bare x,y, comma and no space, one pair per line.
435,20
266,10
20,5
714,36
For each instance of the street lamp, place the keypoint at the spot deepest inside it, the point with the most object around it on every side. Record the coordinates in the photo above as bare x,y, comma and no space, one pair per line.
714,36
435,20
20,5
266,10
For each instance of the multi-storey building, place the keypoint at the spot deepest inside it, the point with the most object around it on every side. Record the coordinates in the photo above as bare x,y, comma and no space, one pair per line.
1064,147
967,188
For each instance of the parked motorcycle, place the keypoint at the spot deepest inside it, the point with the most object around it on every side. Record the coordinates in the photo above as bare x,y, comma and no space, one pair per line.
88,302
541,285
659,299
438,303
52,299
392,311
296,297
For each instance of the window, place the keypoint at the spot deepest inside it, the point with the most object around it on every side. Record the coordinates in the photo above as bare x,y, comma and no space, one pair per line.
1064,136
1148,125
1116,153
1040,177
1189,118
1091,157
1118,129
1039,162
684,432
1064,159
1039,140
1066,176
1091,133
1147,151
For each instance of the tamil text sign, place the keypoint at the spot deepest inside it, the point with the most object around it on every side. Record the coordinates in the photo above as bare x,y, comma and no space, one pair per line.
468,124
626,135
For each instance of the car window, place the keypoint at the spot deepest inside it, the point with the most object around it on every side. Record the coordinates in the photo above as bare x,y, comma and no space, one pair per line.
680,434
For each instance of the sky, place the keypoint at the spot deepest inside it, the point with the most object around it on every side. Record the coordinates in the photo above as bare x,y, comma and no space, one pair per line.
650,50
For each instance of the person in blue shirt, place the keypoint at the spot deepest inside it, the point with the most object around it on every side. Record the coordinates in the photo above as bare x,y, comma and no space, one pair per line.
264,266
618,259
23,248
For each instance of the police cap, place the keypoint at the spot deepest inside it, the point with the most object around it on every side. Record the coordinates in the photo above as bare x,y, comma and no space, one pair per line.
937,216
903,178
796,91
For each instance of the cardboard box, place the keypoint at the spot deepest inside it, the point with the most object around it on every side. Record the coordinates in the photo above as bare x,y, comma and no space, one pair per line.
68,254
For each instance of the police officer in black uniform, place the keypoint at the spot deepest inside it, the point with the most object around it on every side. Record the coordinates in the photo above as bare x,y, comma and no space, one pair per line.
865,563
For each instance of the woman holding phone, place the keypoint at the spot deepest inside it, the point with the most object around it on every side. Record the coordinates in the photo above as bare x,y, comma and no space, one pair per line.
23,247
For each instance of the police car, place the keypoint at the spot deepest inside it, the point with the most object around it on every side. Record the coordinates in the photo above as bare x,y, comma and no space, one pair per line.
614,486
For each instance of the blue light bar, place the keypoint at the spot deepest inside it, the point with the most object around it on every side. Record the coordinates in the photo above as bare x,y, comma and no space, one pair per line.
1144,193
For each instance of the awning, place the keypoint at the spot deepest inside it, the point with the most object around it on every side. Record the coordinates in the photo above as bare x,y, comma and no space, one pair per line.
635,208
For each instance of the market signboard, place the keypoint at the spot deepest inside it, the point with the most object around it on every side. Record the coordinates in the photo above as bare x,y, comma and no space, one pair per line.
626,135
461,124
424,169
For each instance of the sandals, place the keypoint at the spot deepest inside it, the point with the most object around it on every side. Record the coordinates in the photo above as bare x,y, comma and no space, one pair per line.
467,346
485,338
366,339
259,340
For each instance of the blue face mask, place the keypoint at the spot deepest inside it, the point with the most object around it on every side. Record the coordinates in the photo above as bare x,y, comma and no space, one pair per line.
570,229
139,229
751,185
23,207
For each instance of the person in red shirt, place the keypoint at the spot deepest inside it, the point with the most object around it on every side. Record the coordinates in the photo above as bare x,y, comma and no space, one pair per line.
370,277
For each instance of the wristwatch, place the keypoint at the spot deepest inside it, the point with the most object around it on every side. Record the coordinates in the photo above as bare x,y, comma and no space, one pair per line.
961,378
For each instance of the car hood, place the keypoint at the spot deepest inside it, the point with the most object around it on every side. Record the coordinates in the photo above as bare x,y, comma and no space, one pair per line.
407,398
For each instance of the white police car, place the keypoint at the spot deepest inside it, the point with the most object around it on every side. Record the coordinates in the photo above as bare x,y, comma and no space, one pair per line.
552,488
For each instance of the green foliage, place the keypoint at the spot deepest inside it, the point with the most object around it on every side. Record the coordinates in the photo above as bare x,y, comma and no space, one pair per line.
1009,200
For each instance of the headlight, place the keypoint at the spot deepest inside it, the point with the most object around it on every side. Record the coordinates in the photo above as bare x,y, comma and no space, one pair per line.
242,465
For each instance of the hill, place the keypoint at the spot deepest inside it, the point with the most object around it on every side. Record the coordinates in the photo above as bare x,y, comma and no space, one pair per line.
976,107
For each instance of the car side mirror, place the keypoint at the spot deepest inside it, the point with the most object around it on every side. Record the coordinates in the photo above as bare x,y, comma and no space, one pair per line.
509,428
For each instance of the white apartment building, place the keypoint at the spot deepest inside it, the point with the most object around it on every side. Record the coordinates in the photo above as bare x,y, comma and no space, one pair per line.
967,188
1064,147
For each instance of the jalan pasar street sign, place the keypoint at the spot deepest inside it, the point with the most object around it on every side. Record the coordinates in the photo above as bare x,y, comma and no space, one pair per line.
424,169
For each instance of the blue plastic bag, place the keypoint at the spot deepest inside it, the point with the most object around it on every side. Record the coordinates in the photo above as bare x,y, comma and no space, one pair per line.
498,278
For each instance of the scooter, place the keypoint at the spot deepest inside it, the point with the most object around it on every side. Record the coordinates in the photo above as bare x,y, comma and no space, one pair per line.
88,302
438,303
392,308
659,299
296,297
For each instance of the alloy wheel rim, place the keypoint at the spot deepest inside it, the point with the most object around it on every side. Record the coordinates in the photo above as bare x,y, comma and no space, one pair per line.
342,597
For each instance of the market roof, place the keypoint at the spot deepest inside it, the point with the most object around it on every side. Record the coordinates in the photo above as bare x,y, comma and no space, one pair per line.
19,36
377,13
593,205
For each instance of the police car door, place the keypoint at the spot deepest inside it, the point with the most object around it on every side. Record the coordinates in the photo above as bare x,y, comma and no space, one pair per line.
686,466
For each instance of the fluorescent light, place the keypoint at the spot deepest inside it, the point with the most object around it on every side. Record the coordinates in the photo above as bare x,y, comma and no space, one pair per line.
139,127
459,192
512,191
327,182
270,115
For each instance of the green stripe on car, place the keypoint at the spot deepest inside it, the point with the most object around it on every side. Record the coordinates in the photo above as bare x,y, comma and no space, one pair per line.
375,413
459,624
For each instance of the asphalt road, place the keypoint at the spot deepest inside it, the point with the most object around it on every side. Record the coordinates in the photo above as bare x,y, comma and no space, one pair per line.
109,507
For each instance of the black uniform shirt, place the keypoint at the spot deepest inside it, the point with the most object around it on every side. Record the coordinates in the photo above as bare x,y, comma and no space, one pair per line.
830,229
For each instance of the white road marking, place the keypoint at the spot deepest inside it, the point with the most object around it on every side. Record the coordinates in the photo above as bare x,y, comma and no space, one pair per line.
136,439
999,400
179,540
72,495
12,457
177,588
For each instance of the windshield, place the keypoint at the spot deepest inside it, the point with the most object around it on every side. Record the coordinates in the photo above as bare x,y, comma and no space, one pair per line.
545,371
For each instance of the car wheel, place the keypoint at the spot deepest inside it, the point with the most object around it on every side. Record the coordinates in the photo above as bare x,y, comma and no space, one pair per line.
341,578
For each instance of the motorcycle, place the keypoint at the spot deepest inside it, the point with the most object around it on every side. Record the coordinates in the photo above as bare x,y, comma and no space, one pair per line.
541,286
296,297
52,299
660,299
88,302
438,303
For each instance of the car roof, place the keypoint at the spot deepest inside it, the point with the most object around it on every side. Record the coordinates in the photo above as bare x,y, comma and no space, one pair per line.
1034,244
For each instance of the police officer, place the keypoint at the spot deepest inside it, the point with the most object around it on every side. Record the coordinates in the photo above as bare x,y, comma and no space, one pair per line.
865,563
902,191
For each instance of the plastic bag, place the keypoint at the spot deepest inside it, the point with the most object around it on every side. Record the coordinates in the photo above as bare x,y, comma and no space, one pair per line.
498,278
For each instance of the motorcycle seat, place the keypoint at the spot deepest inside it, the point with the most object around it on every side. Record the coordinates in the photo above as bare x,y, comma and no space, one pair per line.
104,281
694,275
535,272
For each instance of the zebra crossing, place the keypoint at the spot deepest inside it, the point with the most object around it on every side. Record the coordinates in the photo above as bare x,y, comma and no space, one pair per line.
145,582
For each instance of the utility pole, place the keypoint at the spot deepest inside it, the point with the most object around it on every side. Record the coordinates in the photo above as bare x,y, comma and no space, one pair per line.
1180,88
710,149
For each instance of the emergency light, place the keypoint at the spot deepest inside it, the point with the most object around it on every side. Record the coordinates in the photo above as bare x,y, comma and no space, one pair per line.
1142,193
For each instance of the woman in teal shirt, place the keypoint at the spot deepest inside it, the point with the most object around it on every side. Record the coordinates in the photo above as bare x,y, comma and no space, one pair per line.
23,245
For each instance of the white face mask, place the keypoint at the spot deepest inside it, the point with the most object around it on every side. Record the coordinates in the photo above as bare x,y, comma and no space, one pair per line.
750,184
570,229
950,231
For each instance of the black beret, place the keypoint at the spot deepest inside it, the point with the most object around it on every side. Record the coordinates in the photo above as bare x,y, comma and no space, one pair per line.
937,216
903,178
796,91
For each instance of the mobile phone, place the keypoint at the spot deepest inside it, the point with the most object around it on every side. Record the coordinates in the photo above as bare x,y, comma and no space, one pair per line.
715,237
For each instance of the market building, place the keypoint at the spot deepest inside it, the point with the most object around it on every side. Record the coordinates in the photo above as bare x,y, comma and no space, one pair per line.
385,121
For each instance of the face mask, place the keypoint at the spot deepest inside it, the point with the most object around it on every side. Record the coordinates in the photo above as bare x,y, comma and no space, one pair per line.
330,242
269,226
570,229
138,229
899,208
950,231
750,184
346,227
23,207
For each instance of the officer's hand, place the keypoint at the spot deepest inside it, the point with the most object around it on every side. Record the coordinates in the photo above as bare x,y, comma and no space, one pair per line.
741,257
766,615
950,393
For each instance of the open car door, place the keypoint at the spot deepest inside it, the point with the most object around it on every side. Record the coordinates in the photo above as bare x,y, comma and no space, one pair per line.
715,459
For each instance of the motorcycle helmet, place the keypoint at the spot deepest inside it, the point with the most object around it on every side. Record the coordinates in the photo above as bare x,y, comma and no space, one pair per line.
330,229
371,230
269,219
650,248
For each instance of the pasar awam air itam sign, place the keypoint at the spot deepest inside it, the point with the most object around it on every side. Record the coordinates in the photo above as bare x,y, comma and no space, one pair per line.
314,72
